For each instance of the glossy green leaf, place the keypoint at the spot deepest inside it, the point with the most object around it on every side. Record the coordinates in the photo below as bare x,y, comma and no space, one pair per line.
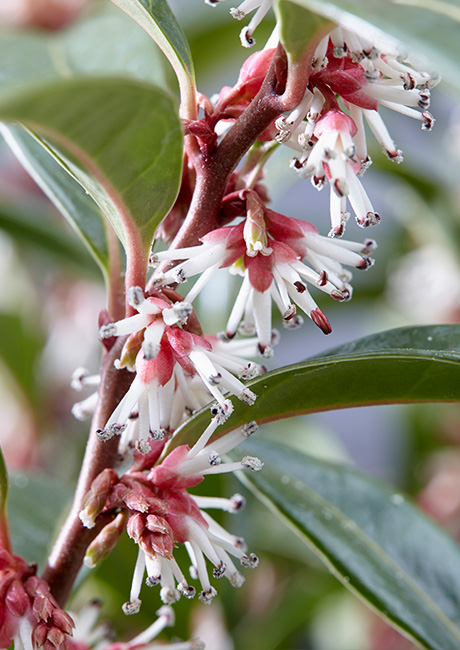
299,27
405,365
35,506
427,27
378,544
120,139
159,22
69,198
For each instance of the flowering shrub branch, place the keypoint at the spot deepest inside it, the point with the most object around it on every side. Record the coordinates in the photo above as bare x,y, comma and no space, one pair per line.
312,91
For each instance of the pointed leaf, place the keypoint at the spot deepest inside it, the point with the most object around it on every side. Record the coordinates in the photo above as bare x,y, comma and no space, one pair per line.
157,19
299,27
405,365
68,196
427,27
378,544
120,139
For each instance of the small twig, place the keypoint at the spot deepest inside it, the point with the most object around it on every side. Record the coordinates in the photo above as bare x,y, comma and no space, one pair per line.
67,555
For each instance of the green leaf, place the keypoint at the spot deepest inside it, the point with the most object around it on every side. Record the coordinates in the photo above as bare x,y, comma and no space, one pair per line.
299,28
120,139
379,545
105,42
69,198
405,365
427,27
159,22
36,503
20,348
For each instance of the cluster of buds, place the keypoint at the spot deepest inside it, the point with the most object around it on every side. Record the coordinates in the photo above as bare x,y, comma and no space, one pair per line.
29,615
152,501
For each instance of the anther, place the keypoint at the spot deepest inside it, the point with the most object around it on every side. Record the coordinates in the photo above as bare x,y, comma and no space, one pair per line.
249,371
158,434
237,502
169,595
236,579
428,121
108,330
207,596
179,276
293,323
252,463
250,561
142,446
132,607
249,428
396,155
135,296
186,590
322,280
214,380
247,396
219,571
237,14
214,459
246,38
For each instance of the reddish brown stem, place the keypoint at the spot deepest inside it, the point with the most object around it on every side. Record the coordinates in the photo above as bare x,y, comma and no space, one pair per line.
69,550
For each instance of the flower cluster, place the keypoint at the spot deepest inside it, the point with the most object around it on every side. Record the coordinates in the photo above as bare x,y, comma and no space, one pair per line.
153,502
276,256
350,77
176,370
29,615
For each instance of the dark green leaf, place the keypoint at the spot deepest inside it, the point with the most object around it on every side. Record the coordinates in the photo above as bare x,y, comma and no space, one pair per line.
69,198
428,27
378,544
299,28
36,503
157,19
120,139
400,366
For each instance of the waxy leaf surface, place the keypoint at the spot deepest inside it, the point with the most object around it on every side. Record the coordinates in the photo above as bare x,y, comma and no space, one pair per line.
159,22
378,544
120,139
67,195
299,26
401,366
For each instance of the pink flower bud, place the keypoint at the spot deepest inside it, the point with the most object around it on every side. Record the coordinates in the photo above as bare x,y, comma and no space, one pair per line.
95,500
17,599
